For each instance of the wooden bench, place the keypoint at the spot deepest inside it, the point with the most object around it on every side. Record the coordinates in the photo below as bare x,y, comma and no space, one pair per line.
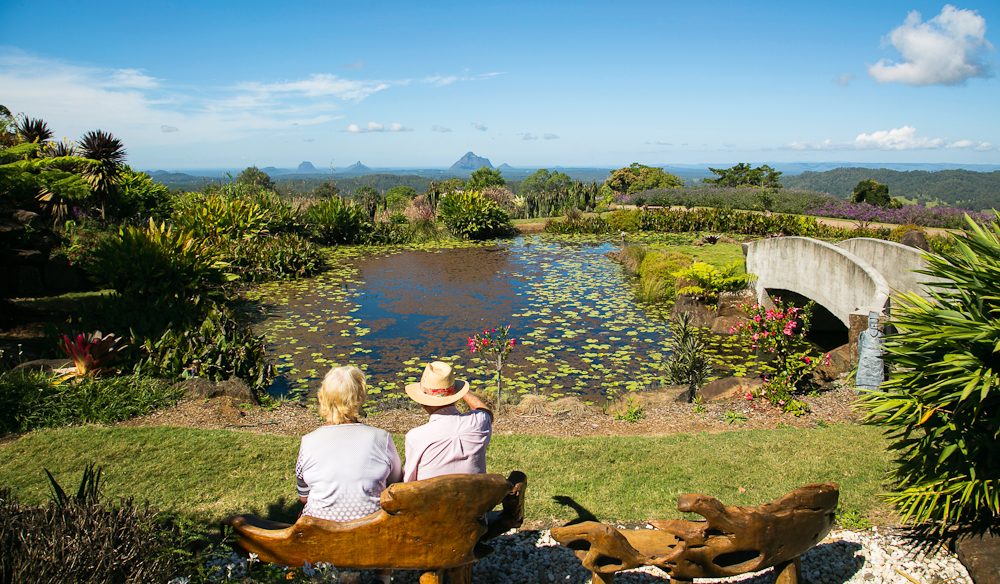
732,540
435,526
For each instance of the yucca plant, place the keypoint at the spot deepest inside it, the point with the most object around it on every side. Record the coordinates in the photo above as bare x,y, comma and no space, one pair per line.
34,130
109,154
688,363
941,406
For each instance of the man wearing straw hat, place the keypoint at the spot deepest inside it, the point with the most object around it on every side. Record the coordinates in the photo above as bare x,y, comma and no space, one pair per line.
450,442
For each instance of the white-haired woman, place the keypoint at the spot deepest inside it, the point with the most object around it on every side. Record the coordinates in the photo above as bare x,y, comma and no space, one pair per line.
344,465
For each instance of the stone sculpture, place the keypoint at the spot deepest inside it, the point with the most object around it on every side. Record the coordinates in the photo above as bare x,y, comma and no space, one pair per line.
433,525
733,540
871,367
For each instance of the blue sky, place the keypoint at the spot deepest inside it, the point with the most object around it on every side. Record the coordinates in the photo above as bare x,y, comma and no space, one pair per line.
200,84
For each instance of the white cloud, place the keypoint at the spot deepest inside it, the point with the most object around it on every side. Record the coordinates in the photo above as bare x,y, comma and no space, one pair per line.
169,129
376,127
133,78
528,136
550,136
443,80
480,126
945,50
844,80
903,138
319,85
658,143
441,129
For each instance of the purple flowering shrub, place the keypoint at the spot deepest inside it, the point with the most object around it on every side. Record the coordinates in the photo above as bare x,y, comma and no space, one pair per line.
948,217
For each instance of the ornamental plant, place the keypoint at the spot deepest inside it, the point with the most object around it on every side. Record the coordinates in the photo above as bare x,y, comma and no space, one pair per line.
939,408
495,345
780,332
91,352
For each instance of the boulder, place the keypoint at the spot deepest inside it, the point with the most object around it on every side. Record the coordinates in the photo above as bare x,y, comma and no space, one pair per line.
200,388
840,363
980,554
917,239
729,388
24,217
723,324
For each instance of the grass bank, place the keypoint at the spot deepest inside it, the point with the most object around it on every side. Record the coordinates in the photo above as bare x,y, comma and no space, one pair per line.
212,473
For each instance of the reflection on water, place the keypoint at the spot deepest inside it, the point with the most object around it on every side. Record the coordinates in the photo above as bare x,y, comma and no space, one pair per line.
580,331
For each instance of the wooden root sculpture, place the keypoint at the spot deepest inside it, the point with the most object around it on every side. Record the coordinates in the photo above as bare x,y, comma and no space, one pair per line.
432,525
733,540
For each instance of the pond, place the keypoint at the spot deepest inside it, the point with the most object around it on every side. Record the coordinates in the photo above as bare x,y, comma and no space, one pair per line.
390,311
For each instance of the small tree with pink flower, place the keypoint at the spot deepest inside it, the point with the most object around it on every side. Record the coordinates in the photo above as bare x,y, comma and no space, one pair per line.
780,332
495,345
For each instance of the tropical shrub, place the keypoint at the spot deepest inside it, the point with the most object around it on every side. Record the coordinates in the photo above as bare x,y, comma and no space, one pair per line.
470,215
780,333
276,257
138,195
158,264
939,406
33,399
92,352
391,230
217,215
219,348
705,281
336,221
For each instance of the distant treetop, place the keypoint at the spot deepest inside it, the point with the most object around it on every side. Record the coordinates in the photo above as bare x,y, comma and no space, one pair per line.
743,175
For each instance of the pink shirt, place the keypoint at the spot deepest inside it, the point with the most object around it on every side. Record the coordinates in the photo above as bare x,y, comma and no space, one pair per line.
449,443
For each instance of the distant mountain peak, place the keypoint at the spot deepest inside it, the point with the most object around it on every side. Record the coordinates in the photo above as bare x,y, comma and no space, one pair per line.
504,167
470,161
357,167
307,167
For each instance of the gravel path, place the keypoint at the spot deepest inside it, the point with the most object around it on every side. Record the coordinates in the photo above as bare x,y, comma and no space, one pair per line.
875,556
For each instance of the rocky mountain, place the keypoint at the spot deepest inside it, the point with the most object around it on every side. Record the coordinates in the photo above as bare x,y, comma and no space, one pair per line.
471,162
356,168
505,167
307,167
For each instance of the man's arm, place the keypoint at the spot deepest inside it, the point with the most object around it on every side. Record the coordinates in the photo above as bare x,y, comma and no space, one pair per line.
474,403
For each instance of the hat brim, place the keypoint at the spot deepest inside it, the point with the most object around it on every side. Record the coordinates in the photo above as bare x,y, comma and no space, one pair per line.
417,394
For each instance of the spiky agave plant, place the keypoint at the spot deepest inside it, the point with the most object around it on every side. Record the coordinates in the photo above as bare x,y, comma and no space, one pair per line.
941,406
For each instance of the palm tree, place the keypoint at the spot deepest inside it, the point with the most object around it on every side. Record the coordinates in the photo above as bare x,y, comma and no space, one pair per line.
108,154
60,149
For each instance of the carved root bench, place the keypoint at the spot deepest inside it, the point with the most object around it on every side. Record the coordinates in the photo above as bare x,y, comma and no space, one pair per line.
435,526
732,540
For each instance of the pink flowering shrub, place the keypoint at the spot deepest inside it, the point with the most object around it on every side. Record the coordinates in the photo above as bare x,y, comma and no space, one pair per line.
494,345
780,332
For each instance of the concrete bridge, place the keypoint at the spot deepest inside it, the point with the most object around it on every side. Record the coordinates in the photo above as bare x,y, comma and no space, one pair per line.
849,279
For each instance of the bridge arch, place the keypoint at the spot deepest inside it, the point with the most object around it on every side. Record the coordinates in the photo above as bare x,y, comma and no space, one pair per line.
832,276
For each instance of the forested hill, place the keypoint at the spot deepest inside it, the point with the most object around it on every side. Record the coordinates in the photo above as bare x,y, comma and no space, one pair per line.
959,188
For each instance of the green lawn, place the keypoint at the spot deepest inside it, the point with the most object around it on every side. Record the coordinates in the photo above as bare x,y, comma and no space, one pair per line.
212,473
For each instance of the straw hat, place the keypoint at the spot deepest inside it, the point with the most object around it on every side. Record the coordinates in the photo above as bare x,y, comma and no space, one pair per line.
437,386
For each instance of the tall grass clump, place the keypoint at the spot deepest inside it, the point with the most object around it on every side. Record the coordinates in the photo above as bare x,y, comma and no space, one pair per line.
33,399
86,540
940,406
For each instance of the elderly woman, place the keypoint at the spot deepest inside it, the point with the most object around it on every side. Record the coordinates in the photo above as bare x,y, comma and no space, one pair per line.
344,465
